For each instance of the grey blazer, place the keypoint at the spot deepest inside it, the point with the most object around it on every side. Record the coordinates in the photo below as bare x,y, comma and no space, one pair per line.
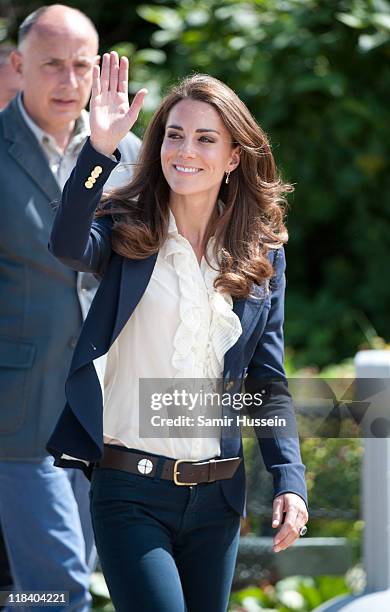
42,303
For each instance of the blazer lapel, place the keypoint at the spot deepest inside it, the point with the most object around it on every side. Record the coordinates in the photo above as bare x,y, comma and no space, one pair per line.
136,275
117,296
27,152
248,311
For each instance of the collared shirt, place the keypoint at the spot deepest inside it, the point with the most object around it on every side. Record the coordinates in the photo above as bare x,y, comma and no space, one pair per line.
61,163
181,329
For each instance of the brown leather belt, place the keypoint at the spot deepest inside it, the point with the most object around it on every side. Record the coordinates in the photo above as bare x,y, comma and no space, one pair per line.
183,472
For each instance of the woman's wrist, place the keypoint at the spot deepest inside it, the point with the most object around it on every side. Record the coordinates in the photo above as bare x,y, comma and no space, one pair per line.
103,149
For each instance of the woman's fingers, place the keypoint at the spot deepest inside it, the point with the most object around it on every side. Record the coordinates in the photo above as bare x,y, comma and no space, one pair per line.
137,105
105,74
277,511
289,531
123,77
95,82
114,75
113,79
114,70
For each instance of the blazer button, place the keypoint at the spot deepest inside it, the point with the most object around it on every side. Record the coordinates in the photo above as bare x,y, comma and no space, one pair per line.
96,172
88,184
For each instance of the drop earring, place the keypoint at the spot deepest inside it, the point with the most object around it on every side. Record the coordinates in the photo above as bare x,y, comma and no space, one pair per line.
227,177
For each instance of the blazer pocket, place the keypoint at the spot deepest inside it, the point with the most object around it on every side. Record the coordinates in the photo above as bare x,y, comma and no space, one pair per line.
16,359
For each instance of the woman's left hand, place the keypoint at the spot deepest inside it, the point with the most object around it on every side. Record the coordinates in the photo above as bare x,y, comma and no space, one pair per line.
296,517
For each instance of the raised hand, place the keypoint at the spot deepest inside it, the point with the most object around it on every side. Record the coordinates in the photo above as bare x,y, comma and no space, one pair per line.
110,115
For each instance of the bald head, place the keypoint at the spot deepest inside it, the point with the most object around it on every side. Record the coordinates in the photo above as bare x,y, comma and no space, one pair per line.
55,19
57,49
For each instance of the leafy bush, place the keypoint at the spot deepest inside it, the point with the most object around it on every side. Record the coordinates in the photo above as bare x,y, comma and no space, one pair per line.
296,593
316,76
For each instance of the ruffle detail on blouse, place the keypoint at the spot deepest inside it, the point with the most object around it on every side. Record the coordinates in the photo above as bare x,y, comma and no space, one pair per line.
189,329
198,334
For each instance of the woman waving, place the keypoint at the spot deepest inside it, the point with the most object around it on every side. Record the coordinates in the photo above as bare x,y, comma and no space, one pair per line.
192,264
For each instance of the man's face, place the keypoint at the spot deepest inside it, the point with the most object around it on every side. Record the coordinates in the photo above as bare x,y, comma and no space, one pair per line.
56,70
9,84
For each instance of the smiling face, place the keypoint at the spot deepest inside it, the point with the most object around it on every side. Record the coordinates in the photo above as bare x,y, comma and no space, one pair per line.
196,150
55,62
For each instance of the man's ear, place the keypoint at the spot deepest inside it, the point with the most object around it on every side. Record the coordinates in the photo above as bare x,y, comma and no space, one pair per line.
16,61
234,158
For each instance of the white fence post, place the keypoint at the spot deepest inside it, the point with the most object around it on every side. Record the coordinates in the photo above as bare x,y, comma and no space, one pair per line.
375,493
376,477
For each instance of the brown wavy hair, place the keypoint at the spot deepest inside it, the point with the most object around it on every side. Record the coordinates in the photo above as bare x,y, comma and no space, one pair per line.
252,218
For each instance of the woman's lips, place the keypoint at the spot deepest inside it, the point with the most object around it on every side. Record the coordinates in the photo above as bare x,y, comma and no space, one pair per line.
189,170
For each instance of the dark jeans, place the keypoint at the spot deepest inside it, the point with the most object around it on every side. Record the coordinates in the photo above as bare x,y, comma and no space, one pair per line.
163,548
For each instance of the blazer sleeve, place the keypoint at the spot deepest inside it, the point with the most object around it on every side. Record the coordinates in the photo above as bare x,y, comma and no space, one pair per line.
77,239
279,446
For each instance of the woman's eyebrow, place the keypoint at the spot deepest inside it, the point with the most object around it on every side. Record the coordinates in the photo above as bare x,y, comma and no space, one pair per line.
178,127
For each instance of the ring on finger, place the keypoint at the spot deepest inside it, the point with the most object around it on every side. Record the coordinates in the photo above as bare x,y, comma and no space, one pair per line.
303,530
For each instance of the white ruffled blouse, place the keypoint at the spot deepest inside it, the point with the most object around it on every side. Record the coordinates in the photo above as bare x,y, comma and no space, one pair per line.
181,328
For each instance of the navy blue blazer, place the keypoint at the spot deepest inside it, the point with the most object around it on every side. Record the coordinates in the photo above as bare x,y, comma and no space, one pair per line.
83,243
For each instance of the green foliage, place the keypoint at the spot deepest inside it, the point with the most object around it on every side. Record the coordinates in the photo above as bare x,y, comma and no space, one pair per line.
333,469
316,74
333,478
296,593
326,462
